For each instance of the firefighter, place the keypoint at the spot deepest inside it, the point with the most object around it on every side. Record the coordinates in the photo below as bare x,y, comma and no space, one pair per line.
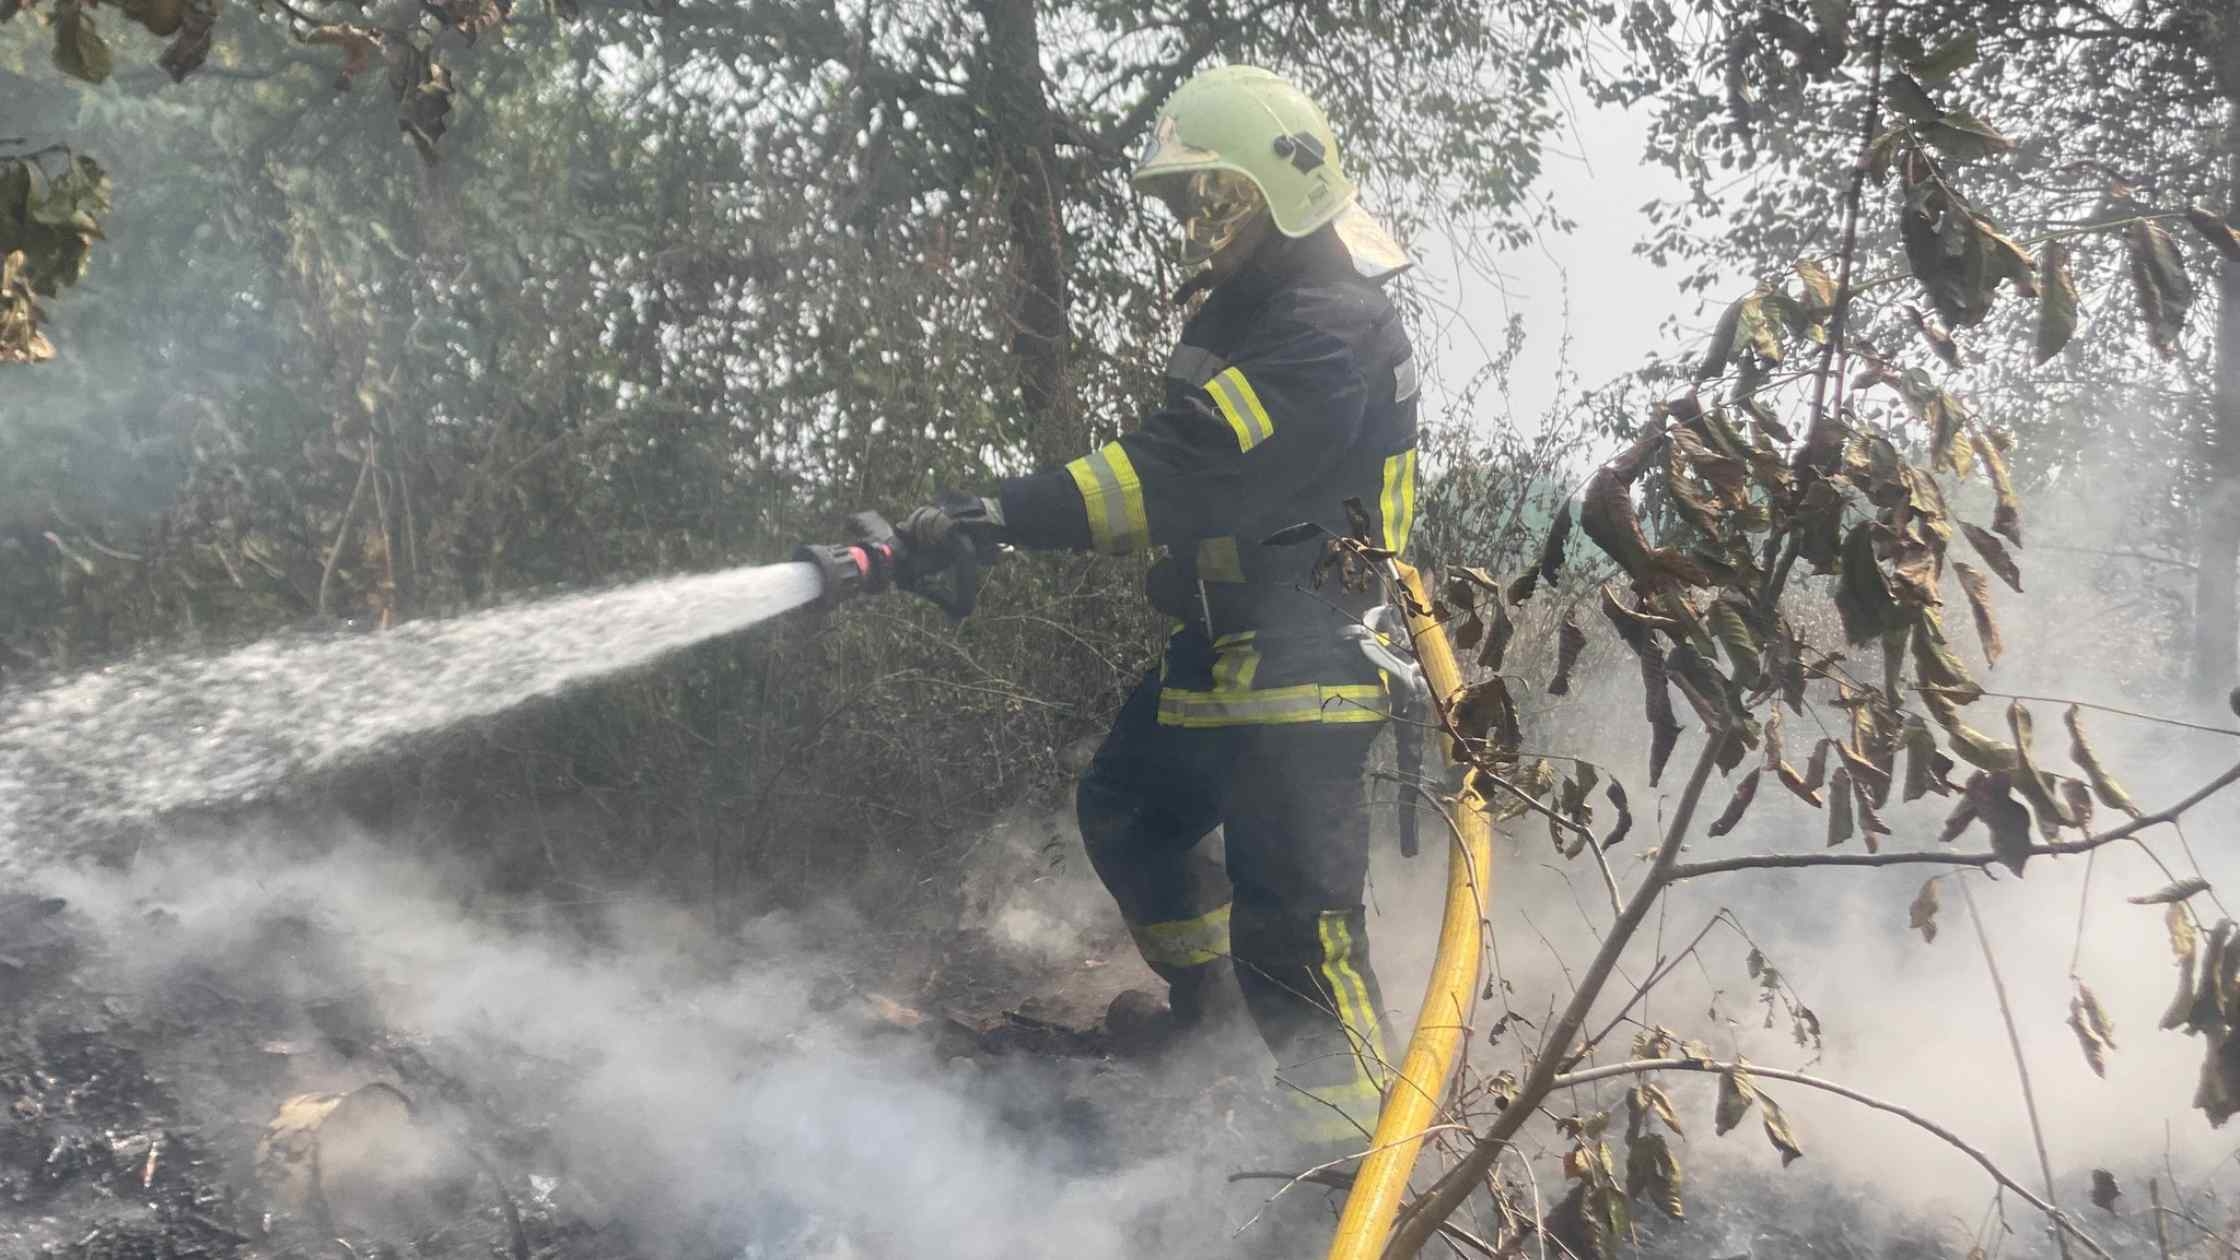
1292,390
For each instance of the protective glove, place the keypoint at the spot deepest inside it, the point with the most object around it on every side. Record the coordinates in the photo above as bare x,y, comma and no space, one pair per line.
932,532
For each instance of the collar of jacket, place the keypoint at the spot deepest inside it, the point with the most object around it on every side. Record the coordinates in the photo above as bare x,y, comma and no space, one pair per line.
1282,261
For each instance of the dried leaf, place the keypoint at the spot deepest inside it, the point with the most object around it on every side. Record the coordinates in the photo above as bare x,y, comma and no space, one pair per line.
1571,640
2006,818
1736,1093
1937,666
2104,1191
2158,274
1922,914
1777,1131
2032,782
1664,728
2090,1023
1939,340
1526,583
1497,637
1957,821
79,50
1978,588
2181,1005
1485,712
1551,552
2172,893
1927,768
1618,832
1737,805
1651,1169
1994,553
2215,230
2057,303
1863,596
1840,824
1819,287
2184,937
2111,793
1964,137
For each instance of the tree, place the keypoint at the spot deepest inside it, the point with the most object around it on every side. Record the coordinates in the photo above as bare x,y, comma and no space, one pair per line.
2130,120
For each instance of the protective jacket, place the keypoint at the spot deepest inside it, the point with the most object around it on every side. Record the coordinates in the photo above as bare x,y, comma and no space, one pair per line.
1293,389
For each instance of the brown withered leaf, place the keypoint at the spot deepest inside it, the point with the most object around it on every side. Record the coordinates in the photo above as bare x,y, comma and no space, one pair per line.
2104,1190
1962,815
1870,822
1736,1092
1526,583
1816,767
1922,914
2181,1005
1652,1170
1972,745
2033,783
1649,1099
1939,340
1840,796
1732,630
1978,589
1570,641
1927,768
1467,632
2172,893
1497,636
1486,712
1777,1131
1819,287
2090,1023
1863,596
1994,553
1664,727
1737,805
2184,937
2215,230
2076,798
1936,666
190,47
1607,514
2005,817
2158,275
1551,551
1616,792
2057,305
2081,752
2006,513
1873,778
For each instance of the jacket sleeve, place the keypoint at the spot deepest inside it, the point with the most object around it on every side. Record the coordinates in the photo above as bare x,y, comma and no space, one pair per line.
1235,449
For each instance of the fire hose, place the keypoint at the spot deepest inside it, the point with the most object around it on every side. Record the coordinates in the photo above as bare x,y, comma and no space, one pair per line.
1413,1098
877,560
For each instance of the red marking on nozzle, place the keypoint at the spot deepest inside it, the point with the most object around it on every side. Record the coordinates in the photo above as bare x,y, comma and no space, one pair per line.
862,559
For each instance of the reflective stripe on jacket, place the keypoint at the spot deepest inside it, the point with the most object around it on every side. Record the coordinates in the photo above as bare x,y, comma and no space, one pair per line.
1292,389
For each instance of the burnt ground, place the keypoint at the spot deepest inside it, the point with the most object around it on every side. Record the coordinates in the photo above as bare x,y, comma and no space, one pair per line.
133,1114
130,1115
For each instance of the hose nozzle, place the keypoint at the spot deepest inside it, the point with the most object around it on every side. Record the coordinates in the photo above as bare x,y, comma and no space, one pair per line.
865,566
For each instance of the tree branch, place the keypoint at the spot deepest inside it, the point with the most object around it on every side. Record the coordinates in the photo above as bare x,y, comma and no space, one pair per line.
1641,1066
1791,861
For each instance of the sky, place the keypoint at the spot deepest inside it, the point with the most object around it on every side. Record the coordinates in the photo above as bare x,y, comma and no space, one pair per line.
1616,301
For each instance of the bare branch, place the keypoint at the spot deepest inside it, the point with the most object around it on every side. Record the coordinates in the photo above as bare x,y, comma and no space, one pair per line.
1638,1067
1792,861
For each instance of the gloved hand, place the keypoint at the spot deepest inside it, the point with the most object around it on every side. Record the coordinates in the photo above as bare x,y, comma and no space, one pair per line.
932,531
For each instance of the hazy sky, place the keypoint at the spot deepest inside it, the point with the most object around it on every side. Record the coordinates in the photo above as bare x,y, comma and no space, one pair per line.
1616,300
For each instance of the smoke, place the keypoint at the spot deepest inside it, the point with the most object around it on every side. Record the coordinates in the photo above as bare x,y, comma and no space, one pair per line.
699,1094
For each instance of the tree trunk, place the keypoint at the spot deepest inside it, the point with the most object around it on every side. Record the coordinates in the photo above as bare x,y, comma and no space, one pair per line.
1025,140
2216,605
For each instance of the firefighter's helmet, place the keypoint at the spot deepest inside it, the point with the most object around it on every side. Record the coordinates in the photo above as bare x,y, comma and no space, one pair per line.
1236,139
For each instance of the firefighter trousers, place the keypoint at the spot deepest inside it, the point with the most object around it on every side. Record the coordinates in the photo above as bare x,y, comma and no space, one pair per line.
1284,908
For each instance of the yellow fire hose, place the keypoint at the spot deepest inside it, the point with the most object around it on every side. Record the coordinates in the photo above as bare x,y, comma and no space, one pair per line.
1413,1099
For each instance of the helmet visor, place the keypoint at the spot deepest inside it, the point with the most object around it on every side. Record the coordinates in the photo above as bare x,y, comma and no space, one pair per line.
1212,207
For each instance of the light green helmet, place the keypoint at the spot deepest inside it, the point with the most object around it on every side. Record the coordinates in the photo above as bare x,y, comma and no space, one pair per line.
1242,121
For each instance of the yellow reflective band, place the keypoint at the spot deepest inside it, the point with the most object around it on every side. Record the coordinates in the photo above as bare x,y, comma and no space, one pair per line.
1276,706
1351,994
1235,667
1241,407
1218,560
1184,942
1398,504
1113,497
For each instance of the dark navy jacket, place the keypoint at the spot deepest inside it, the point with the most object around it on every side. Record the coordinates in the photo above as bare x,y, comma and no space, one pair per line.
1292,390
